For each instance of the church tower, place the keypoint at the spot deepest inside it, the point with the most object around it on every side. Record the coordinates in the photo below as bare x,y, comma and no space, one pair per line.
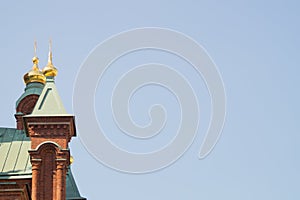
35,156
50,130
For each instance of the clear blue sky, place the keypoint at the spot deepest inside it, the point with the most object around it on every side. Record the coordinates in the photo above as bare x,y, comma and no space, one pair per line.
255,45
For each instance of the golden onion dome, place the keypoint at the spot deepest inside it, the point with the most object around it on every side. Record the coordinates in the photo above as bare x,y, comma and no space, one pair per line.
35,74
50,69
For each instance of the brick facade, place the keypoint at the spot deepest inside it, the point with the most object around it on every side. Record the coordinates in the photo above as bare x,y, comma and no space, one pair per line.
49,154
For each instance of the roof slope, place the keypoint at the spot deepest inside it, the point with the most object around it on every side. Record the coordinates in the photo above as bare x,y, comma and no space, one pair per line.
49,102
15,160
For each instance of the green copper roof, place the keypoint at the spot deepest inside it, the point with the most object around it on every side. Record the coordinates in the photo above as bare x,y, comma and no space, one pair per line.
49,102
72,190
14,157
15,162
31,88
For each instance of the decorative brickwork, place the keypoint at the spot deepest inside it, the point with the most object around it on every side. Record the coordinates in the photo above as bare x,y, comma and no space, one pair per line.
27,104
58,129
15,189
49,154
49,168
25,107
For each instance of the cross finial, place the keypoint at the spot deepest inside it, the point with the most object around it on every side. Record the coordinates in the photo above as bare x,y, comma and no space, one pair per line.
35,59
50,52
50,70
35,47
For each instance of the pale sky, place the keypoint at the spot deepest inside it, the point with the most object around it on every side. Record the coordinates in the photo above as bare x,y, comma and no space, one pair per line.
255,45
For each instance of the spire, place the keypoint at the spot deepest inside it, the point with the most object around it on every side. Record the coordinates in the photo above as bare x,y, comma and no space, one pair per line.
35,47
34,75
50,52
35,59
50,70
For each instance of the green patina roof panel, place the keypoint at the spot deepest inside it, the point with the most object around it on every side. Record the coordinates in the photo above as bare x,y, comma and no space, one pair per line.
49,102
14,155
72,190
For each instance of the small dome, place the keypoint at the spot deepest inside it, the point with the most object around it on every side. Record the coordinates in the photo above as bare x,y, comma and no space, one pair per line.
35,74
50,70
71,160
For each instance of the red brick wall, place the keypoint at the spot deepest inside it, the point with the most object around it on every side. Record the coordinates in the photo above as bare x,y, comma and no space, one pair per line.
15,189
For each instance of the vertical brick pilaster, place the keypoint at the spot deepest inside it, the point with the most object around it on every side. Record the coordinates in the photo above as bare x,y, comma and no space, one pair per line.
61,166
36,163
